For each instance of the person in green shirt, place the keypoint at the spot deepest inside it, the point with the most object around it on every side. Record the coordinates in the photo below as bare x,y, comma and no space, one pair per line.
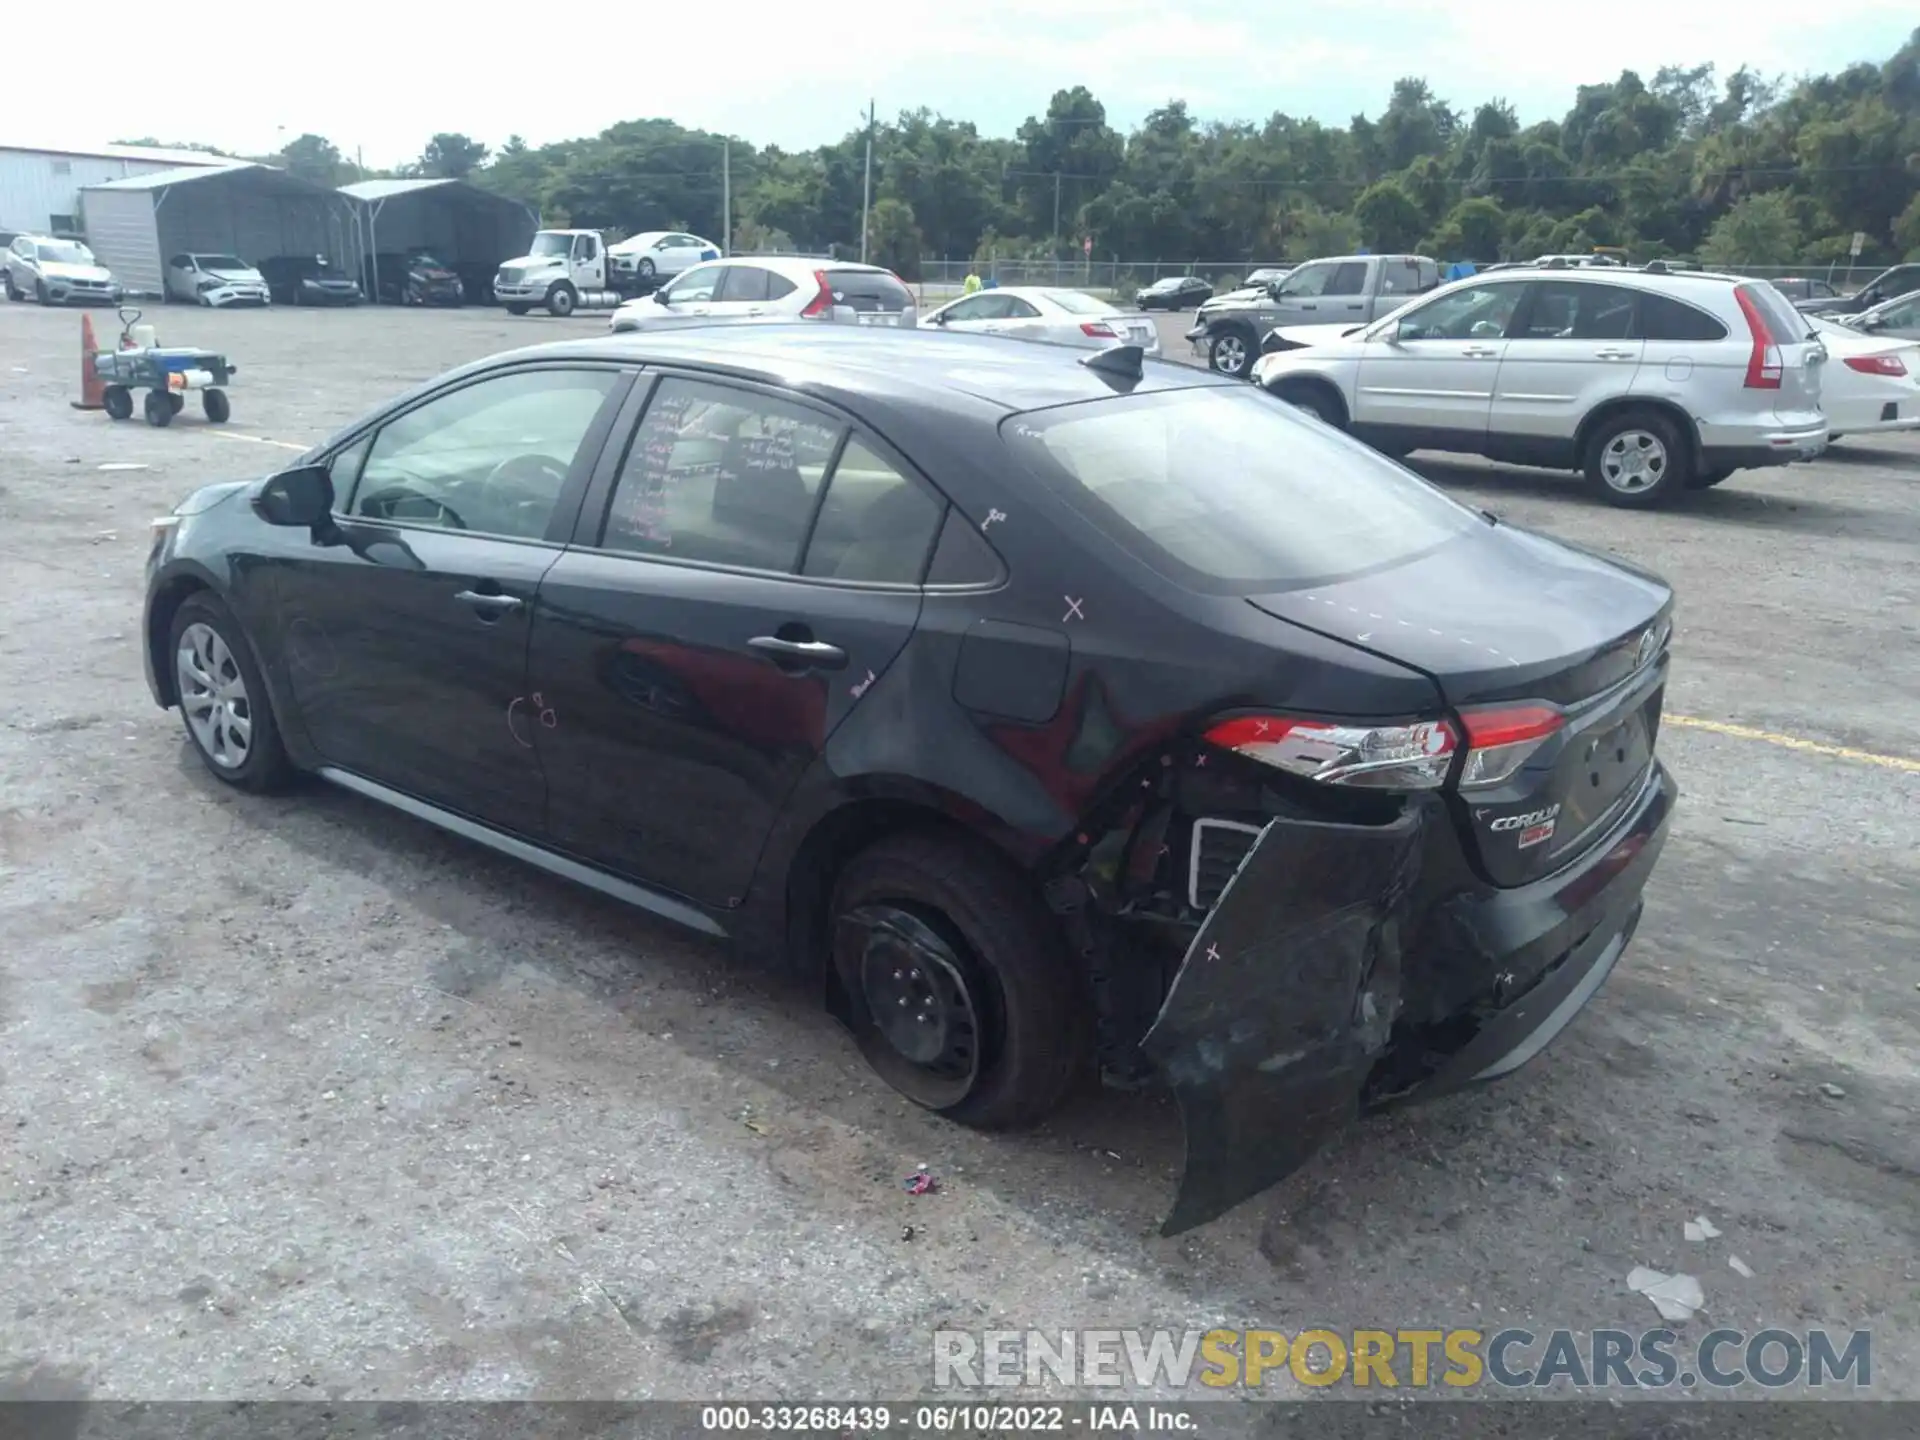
972,283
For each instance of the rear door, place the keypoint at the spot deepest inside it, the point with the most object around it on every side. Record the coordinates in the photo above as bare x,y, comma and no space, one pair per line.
744,291
744,574
1571,345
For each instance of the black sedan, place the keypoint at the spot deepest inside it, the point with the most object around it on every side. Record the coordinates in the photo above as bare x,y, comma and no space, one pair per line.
308,280
413,277
1176,292
1054,713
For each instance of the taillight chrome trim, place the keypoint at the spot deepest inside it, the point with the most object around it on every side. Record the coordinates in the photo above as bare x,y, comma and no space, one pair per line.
1413,755
1500,739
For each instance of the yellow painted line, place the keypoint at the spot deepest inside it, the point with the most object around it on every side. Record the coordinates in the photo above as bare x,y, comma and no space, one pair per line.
1793,742
257,440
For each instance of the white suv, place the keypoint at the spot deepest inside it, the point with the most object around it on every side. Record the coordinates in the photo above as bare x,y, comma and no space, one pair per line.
1649,381
772,287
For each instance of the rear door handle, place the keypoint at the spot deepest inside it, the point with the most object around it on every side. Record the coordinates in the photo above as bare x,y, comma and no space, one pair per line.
1614,354
813,654
1479,352
495,605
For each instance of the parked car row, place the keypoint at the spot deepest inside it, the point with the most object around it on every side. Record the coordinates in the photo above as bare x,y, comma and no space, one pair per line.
1650,381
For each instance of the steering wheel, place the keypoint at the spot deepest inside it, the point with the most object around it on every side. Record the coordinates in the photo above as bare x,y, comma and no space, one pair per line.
382,503
540,475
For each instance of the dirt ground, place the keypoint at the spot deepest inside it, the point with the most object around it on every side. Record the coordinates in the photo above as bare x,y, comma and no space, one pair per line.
301,1098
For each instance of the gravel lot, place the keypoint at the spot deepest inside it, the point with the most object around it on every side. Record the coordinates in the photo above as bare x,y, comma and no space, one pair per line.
305,1099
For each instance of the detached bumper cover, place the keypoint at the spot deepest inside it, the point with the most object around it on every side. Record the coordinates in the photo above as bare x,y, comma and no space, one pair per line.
1298,1005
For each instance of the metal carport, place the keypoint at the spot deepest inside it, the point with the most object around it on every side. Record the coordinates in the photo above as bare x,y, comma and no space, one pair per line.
457,222
253,211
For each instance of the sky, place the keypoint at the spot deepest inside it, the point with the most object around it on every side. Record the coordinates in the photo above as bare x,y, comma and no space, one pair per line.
379,82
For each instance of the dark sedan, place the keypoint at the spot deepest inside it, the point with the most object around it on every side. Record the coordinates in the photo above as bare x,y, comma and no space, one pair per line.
413,277
308,280
1176,292
1104,715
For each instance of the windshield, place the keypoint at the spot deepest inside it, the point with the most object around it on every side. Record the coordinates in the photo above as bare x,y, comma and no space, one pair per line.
420,260
1074,303
64,252
1173,284
222,262
1231,490
548,243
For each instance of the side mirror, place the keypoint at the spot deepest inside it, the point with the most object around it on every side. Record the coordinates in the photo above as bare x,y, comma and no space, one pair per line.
1873,322
659,297
301,498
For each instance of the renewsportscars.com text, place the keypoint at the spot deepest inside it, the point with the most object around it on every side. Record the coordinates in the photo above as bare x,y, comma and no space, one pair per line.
1417,1359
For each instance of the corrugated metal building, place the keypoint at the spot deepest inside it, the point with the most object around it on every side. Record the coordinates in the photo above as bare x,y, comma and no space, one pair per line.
239,208
40,189
458,223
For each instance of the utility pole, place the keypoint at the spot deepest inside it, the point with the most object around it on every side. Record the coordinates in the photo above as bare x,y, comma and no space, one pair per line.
1056,210
866,187
726,196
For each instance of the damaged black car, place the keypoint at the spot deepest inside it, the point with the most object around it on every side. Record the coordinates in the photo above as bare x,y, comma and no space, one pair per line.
1060,714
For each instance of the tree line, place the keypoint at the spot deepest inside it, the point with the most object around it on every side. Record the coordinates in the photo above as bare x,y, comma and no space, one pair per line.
1739,169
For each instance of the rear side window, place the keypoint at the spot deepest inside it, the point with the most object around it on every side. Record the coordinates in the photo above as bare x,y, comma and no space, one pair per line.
743,282
875,525
1231,490
1399,277
1571,310
1664,318
1787,324
868,290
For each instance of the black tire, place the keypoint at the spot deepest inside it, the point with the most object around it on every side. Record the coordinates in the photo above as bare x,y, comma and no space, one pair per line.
40,292
1638,459
158,408
1707,479
266,767
1231,351
518,309
561,300
13,292
179,402
219,409
117,401
1316,402
1034,1036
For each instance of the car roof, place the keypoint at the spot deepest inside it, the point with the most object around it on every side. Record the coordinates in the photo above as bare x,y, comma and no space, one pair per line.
909,366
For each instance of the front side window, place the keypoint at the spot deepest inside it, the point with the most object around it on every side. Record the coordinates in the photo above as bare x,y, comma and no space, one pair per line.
983,306
722,476
1229,490
696,286
490,457
1309,281
1478,312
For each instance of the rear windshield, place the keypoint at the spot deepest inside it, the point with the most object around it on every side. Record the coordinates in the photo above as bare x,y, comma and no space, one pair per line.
1231,490
1787,324
1074,303
868,290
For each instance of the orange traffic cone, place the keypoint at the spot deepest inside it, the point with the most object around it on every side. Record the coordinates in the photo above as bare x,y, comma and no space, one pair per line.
92,387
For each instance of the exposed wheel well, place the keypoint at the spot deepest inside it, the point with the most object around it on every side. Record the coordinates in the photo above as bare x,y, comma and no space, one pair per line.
1293,385
166,604
834,840
1613,408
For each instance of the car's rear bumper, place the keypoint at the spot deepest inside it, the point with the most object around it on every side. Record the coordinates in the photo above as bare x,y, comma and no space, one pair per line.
1742,447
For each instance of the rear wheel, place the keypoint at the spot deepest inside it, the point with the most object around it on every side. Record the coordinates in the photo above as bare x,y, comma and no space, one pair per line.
1707,479
1231,351
158,408
117,401
960,990
1638,459
13,291
217,406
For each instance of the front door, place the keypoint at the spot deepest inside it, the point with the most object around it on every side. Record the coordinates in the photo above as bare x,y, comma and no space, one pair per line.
1428,378
406,640
1574,344
740,586
686,300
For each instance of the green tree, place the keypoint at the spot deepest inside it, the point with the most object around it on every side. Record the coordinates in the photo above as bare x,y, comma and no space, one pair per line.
1758,230
315,158
1388,217
1472,230
893,238
452,156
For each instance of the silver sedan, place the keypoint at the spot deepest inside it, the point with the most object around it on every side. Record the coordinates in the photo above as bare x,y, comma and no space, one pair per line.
1039,312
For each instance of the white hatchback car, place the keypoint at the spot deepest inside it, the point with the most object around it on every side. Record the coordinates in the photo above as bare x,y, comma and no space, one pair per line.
1649,381
773,287
1034,312
218,280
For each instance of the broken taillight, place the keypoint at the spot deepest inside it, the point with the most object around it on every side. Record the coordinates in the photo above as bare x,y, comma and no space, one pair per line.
1414,756
1500,740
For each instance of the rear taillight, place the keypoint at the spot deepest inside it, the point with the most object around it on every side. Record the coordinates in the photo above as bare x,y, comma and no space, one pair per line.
1500,740
1098,329
821,302
1877,365
1764,362
1415,756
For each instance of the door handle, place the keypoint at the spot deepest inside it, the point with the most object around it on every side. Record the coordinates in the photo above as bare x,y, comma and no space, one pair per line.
1614,354
497,604
1480,352
1309,307
811,654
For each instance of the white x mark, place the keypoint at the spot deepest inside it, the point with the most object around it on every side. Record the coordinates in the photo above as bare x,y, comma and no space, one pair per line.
1213,952
1074,612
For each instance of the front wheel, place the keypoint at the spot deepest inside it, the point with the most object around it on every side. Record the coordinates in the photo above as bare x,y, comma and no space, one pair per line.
217,406
13,291
40,292
117,401
960,989
223,700
1638,459
561,300
1316,402
1230,353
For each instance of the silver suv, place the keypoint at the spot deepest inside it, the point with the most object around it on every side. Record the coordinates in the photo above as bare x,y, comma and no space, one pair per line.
1650,382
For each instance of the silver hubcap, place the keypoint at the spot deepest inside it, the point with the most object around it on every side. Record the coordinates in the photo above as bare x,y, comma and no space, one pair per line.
1229,355
214,697
1634,460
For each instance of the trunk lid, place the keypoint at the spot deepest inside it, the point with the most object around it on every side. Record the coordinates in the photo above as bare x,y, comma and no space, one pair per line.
1802,353
1499,618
